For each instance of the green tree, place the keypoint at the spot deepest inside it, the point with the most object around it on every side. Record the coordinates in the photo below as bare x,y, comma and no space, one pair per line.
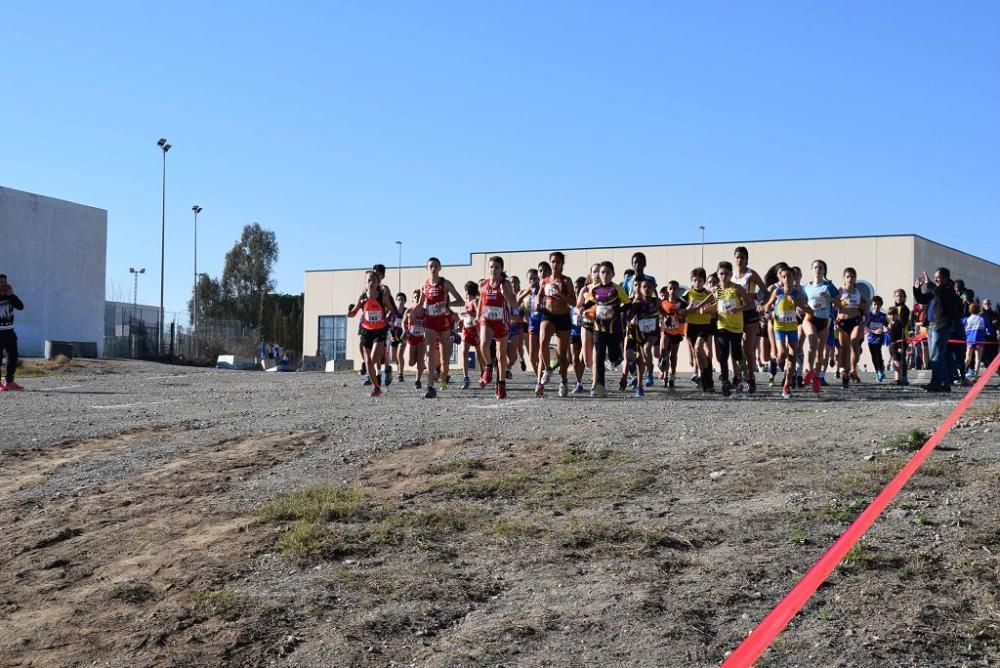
246,277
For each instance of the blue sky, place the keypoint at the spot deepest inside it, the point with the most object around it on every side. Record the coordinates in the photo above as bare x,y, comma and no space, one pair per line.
462,126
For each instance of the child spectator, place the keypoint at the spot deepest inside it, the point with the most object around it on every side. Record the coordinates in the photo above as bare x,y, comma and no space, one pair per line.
977,332
875,330
899,318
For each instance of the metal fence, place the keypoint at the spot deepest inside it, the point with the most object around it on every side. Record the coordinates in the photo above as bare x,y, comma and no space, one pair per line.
202,345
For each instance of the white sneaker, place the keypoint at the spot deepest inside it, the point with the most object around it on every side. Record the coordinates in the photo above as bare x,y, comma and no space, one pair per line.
563,390
546,375
578,389
598,392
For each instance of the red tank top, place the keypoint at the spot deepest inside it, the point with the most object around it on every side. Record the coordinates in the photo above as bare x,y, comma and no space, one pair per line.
469,317
493,304
436,298
373,312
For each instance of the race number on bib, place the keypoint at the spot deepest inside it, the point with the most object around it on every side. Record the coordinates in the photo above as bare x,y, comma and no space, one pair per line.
647,325
786,317
437,308
728,306
416,330
551,290
373,316
470,321
605,311
818,303
493,313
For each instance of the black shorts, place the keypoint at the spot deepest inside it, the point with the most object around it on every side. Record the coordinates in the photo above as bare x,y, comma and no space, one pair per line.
562,321
371,337
849,324
673,339
820,323
694,332
576,340
751,317
396,335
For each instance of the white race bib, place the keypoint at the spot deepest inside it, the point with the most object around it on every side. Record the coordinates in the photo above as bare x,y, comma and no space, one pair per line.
818,303
786,317
437,308
493,312
416,330
470,321
647,325
605,311
551,290
852,300
373,316
728,306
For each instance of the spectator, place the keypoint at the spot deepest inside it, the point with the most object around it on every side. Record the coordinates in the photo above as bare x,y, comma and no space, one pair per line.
8,339
993,318
976,332
875,329
944,314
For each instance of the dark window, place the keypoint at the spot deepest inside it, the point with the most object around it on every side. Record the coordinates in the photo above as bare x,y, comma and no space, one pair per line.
333,336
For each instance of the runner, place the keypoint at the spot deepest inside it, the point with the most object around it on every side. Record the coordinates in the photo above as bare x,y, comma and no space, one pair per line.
610,304
9,303
784,301
728,300
875,333
396,334
850,326
576,338
672,332
391,317
375,305
470,331
515,339
752,283
416,343
437,297
555,300
699,327
528,299
644,329
819,294
587,319
494,318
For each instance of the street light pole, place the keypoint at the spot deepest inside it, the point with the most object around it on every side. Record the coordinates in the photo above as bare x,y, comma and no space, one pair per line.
194,311
702,228
164,146
399,268
135,290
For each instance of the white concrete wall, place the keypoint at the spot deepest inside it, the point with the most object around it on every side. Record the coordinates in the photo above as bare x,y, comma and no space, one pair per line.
54,255
886,263
981,275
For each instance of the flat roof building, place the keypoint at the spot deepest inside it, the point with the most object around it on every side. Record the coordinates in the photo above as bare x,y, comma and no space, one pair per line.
883,263
54,255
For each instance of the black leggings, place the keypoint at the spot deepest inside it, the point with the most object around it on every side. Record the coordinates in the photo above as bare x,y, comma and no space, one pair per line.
875,349
607,346
725,343
8,344
898,353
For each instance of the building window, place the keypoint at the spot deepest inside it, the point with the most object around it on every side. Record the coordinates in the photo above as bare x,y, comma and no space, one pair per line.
333,336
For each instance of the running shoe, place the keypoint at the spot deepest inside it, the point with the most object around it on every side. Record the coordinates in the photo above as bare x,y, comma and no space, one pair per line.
400,379
879,377
508,375
524,367
465,383
376,392
487,377
649,380
902,381
11,385
444,386
387,377
786,392
546,375
670,382
770,380
970,374
639,391
633,382
809,377
816,383
416,385
854,377
822,381
539,390
727,389
798,382
695,379
501,390
366,382
598,392
622,384
388,369
563,389
845,382
751,385
578,389
430,393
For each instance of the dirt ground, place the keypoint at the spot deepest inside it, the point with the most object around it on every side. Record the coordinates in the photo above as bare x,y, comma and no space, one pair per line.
164,516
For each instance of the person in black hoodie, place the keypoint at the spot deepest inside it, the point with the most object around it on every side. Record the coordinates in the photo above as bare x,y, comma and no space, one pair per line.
8,339
944,313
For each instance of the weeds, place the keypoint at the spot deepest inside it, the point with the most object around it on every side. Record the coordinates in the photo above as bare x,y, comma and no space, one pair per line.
226,604
131,592
319,503
911,441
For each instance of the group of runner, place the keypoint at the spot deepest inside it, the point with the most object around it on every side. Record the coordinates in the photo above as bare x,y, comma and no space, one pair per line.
776,323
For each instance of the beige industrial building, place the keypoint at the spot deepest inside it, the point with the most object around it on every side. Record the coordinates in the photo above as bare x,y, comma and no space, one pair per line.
883,263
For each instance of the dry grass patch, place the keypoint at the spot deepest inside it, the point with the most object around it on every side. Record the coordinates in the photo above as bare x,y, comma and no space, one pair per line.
34,368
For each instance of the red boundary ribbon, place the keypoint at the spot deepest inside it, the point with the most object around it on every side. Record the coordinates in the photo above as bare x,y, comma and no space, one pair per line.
764,634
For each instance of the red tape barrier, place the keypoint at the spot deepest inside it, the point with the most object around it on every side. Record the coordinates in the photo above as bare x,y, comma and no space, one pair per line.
924,338
764,634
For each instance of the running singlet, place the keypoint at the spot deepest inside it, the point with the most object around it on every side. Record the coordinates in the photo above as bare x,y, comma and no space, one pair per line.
493,305
469,322
850,299
608,302
553,290
373,313
646,318
744,282
435,298
694,297
820,297
785,319
672,323
730,309
415,329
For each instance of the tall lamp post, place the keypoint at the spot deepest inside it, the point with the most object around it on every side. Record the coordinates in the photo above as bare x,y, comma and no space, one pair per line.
702,228
194,311
399,268
164,146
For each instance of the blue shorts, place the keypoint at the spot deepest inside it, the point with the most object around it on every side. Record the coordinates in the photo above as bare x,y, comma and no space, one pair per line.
791,337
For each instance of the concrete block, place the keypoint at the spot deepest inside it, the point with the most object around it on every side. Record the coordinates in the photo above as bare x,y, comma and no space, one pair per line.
235,362
55,348
313,363
339,365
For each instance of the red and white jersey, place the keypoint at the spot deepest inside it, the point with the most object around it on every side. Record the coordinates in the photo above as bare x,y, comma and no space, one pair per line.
373,312
435,298
493,306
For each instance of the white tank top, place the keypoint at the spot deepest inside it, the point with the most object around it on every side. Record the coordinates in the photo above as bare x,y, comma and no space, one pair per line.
743,283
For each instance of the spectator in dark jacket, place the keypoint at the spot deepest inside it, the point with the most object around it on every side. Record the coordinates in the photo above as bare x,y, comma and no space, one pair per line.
992,317
944,315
